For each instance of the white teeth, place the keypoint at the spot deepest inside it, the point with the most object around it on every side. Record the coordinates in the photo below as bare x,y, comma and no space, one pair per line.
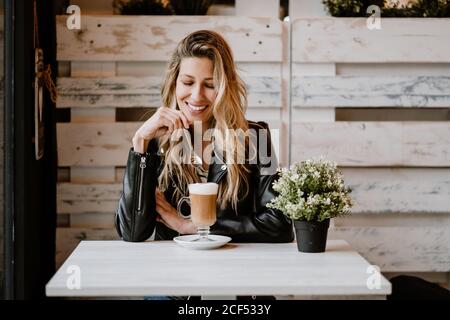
196,108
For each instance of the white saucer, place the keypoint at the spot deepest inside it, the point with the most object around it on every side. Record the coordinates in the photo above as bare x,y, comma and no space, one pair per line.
186,241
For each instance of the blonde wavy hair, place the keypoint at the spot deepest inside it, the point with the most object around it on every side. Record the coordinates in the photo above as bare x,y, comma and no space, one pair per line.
228,112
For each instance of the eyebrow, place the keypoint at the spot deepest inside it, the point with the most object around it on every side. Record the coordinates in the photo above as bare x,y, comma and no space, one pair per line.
187,75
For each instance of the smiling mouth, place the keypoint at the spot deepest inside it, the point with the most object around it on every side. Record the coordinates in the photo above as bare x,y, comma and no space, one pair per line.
196,108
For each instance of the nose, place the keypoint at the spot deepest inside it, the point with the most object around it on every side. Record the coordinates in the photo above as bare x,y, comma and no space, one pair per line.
197,93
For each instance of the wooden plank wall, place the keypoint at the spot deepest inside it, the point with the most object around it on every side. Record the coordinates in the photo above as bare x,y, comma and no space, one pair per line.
109,75
399,169
344,85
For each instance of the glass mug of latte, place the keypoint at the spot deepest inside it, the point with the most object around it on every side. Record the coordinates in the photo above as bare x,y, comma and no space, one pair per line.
202,199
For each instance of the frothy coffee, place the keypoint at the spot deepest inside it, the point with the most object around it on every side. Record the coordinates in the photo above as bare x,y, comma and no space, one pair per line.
203,198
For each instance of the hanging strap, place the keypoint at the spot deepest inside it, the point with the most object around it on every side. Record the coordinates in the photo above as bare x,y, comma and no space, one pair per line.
46,74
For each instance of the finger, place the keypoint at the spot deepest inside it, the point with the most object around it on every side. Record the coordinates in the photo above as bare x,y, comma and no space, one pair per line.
160,198
164,205
162,212
179,114
169,124
160,205
184,119
174,117
170,219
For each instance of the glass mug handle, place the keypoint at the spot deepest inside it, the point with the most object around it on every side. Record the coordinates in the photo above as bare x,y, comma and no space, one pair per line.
180,203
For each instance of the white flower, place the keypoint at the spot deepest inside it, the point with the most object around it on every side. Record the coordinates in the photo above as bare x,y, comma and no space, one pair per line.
298,187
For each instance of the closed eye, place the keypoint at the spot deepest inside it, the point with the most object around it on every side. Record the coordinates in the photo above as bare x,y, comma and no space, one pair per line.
209,86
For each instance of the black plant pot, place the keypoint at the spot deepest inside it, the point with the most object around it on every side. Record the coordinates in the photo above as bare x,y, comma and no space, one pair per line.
311,235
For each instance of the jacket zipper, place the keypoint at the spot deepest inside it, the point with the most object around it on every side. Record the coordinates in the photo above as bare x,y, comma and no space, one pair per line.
142,166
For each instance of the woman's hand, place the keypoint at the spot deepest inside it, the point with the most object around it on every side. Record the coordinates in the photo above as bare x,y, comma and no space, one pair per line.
169,216
163,121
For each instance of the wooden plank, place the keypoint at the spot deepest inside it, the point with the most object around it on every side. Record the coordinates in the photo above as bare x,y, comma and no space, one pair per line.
83,115
394,219
379,191
63,69
305,114
266,8
374,143
391,114
138,38
109,101
392,190
408,249
269,115
63,221
92,69
314,69
88,198
393,69
68,238
92,174
349,40
83,206
221,10
145,92
314,114
120,172
63,174
285,112
146,85
140,68
363,91
255,100
306,8
102,144
349,143
93,220
258,69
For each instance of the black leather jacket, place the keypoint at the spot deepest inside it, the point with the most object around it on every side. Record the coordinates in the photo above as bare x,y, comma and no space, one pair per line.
253,221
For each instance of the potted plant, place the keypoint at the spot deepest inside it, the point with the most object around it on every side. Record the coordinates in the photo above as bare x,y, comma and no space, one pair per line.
310,193
389,8
162,7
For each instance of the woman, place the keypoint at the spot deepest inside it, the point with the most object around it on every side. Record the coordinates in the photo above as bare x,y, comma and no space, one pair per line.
202,93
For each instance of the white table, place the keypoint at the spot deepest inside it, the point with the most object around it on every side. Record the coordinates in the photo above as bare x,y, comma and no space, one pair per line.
124,269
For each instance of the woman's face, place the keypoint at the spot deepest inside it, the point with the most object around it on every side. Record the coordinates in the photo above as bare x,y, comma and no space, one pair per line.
195,88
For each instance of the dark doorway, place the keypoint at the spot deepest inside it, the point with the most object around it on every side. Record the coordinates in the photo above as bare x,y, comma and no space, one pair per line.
30,184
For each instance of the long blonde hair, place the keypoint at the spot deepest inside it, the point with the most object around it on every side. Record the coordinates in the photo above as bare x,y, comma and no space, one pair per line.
228,110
